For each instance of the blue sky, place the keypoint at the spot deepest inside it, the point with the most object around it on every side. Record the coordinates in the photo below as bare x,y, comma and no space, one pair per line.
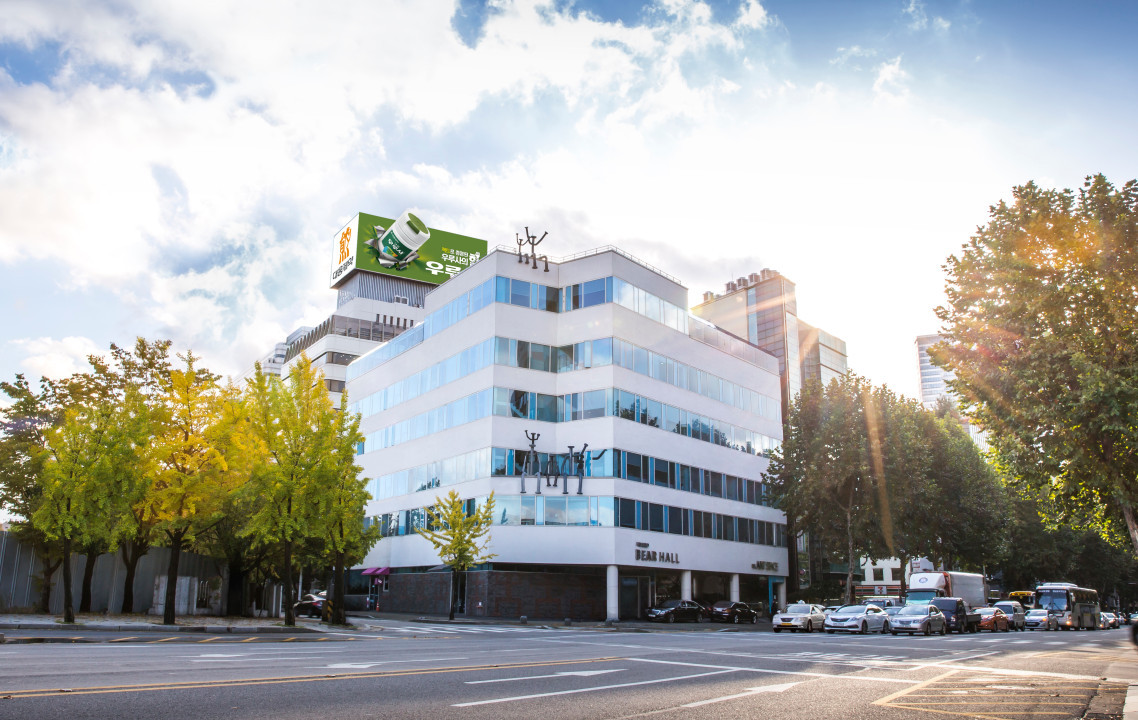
179,171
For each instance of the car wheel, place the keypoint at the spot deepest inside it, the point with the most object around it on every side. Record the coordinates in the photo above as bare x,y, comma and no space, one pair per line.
809,626
754,619
671,618
894,633
943,629
864,628
928,630
829,632
884,627
735,620
1007,628
777,629
699,618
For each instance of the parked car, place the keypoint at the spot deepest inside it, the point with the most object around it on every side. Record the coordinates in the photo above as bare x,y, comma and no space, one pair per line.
857,619
311,605
1108,621
958,615
732,612
829,609
1040,619
676,610
924,619
994,619
800,617
1015,612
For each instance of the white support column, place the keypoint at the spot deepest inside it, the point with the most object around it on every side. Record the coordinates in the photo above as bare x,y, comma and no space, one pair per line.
612,599
782,595
735,587
685,585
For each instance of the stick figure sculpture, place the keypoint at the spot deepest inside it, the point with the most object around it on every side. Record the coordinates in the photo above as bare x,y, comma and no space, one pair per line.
530,465
578,465
533,241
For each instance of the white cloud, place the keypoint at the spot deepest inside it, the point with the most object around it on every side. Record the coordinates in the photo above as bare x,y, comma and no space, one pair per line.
752,16
56,359
918,19
941,25
890,81
847,54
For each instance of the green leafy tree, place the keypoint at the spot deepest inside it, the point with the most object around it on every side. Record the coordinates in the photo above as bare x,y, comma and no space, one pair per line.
292,430
24,425
1042,330
340,504
458,536
190,478
75,502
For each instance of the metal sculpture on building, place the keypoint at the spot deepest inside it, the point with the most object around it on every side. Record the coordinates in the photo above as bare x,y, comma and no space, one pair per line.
533,241
556,466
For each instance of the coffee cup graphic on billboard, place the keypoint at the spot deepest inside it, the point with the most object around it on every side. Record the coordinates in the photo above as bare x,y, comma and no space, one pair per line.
404,247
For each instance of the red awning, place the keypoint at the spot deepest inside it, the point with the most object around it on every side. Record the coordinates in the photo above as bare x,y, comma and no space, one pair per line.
376,571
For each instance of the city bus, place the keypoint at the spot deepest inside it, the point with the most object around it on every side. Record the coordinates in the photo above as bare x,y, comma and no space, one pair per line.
1075,607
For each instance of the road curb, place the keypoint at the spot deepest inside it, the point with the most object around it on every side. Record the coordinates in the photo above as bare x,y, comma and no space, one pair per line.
1130,709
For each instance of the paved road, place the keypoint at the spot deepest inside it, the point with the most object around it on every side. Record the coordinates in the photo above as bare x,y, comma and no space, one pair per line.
411,670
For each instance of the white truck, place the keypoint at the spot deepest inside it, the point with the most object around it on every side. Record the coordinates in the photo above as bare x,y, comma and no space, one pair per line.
972,588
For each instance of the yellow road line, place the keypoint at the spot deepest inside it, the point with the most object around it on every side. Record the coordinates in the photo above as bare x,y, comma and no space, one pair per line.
209,639
101,690
166,639
132,637
249,639
919,686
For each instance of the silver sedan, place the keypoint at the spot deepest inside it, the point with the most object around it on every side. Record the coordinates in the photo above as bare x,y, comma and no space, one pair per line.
857,619
924,619
799,617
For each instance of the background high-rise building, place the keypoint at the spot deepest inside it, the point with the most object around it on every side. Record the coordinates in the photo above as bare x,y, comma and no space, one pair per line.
934,386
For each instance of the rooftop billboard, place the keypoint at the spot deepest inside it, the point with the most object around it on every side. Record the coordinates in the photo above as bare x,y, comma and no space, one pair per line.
403,247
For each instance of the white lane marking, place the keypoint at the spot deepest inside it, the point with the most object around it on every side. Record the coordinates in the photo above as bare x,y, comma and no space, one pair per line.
1026,673
591,689
1056,642
750,691
1021,642
241,660
366,665
577,673
843,676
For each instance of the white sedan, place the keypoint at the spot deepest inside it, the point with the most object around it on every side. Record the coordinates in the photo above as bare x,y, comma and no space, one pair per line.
799,617
857,619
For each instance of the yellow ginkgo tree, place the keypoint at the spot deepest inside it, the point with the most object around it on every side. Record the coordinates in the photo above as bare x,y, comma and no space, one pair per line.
458,536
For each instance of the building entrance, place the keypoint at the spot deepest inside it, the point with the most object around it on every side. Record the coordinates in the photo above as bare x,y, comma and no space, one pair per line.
636,595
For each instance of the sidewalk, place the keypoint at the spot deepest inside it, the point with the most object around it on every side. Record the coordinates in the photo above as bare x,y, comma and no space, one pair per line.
149,623
362,617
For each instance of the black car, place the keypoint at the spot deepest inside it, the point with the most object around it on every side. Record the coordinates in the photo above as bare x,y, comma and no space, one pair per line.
676,610
732,612
956,615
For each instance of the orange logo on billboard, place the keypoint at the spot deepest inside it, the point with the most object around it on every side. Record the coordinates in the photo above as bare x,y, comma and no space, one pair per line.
345,244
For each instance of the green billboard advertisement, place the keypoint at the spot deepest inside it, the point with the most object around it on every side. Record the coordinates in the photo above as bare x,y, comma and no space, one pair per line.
403,247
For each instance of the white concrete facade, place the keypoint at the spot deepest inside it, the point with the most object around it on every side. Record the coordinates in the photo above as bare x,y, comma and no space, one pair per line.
614,551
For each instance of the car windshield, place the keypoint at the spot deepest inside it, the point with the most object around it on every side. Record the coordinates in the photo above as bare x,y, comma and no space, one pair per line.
669,604
798,609
945,605
722,605
852,609
1037,611
1006,607
987,611
914,610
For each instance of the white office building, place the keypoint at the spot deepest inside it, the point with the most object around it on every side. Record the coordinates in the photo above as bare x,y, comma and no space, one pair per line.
597,350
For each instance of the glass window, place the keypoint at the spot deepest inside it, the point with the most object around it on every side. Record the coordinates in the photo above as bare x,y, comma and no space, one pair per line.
519,293
731,485
661,472
508,510
675,520
578,510
528,511
728,527
671,419
593,293
685,477
628,406
539,357
549,298
602,352
521,353
627,515
640,360
633,463
564,358
546,407
655,517
605,512
594,404
653,417
555,512
519,403
659,367
715,484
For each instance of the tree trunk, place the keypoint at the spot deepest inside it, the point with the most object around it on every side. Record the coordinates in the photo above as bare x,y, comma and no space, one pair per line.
168,615
88,575
235,593
290,616
849,558
68,601
1131,524
453,591
793,584
339,581
904,585
49,569
132,552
